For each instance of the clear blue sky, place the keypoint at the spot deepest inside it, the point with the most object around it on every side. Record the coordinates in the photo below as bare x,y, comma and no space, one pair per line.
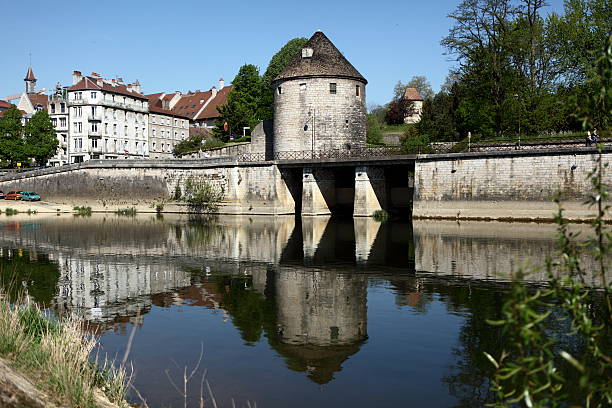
188,45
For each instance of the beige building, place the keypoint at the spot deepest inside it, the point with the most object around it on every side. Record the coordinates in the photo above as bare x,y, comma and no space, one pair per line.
108,119
166,128
411,94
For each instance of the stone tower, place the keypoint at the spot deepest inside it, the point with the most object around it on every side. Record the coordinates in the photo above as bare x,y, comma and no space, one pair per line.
319,101
30,81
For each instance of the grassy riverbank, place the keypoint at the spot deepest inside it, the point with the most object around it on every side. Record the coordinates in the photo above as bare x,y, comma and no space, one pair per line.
55,357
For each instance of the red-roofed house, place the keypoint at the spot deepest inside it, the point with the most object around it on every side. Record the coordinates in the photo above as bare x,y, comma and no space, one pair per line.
109,119
413,95
200,107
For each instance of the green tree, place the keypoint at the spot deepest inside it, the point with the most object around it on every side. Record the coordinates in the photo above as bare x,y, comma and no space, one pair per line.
276,65
578,35
422,85
481,40
12,149
40,139
242,103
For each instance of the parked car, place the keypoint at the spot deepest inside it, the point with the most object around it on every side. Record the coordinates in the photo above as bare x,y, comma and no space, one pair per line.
29,196
1,195
13,195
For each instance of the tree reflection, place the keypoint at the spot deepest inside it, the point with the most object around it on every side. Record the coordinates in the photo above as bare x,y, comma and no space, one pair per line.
28,272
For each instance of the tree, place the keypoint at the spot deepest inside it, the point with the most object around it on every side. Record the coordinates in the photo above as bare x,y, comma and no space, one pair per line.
242,103
578,36
276,65
422,85
11,136
40,139
398,110
481,40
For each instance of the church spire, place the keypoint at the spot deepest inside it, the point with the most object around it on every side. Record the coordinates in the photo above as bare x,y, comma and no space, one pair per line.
30,81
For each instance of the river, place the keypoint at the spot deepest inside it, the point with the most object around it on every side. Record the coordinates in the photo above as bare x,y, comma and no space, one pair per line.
287,311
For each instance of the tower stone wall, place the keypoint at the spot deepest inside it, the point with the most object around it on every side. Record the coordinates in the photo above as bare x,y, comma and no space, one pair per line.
308,116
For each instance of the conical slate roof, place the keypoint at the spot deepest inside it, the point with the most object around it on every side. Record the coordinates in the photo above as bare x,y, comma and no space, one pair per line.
30,75
326,61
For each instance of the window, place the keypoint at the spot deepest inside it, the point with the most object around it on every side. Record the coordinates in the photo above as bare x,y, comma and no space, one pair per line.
63,122
125,132
114,129
54,122
306,52
52,108
78,95
64,137
106,128
62,107
175,122
93,95
93,111
332,88
357,90
303,86
94,127
94,143
78,143
78,111
114,114
153,132
279,90
176,135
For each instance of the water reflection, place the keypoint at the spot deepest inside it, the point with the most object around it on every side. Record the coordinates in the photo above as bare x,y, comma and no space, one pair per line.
304,287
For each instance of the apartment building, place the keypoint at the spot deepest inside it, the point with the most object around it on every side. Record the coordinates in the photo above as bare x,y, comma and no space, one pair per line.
58,112
166,127
108,119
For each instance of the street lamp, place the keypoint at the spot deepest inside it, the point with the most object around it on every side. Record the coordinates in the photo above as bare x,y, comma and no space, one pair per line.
516,96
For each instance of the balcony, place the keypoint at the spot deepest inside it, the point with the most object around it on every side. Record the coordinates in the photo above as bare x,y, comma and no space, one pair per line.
77,102
126,106
94,133
94,116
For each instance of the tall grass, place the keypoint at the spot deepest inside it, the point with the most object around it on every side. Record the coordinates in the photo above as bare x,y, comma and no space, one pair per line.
55,356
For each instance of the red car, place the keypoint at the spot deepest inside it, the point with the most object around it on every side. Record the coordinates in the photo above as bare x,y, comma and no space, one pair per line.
13,195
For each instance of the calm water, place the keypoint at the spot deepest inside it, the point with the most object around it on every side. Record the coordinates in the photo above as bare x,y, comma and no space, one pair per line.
289,312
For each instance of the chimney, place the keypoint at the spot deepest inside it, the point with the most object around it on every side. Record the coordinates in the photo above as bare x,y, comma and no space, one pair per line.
221,83
213,91
113,83
129,87
76,77
120,80
99,81
95,74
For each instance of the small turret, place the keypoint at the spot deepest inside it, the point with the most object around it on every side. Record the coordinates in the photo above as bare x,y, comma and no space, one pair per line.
30,81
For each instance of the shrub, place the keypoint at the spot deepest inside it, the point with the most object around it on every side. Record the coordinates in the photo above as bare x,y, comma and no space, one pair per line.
374,130
202,195
380,215
11,211
127,212
82,210
412,142
178,194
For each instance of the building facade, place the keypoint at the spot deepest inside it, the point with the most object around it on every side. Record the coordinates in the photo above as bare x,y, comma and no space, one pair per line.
108,119
319,101
58,112
166,129
413,95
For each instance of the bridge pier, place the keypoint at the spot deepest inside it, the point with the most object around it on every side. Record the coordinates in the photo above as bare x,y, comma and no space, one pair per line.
318,191
370,191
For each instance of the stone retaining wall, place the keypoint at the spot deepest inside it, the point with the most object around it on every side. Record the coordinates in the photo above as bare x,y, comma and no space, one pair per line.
498,185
